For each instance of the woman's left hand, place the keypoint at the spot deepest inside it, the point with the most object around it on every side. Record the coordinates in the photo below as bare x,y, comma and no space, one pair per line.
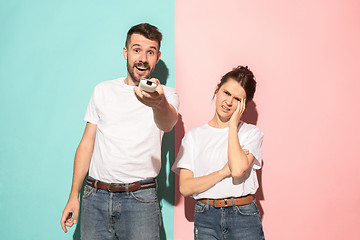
235,118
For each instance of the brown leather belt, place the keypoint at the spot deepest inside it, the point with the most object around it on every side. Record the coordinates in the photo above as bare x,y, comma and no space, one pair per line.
112,187
227,202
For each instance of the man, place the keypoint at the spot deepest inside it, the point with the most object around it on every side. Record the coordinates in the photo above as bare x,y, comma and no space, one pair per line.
120,148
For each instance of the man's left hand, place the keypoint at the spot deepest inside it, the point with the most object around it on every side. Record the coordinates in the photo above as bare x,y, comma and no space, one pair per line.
150,99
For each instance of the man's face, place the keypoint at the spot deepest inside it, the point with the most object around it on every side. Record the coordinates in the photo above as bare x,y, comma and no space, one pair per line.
142,55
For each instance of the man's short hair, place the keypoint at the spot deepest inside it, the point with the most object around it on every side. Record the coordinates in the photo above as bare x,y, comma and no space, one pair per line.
147,30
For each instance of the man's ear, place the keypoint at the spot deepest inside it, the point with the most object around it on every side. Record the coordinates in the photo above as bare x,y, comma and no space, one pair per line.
125,53
158,57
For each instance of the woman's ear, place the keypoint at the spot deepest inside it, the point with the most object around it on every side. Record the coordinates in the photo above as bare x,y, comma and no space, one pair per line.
216,91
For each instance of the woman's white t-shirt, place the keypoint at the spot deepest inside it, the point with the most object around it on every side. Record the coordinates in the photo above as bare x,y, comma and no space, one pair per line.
204,150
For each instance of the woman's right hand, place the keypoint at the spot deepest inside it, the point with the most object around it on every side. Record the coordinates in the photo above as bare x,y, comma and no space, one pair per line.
226,172
236,116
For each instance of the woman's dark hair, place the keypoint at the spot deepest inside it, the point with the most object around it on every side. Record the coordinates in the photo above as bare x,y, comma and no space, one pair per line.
149,31
244,77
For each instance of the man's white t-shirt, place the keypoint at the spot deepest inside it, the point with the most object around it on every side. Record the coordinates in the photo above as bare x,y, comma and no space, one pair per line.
128,142
204,150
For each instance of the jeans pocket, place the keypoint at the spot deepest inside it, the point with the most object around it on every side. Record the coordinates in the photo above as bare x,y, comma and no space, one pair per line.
88,190
248,209
200,207
148,195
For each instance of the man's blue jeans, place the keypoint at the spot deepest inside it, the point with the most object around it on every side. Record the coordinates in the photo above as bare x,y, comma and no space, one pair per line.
236,222
126,215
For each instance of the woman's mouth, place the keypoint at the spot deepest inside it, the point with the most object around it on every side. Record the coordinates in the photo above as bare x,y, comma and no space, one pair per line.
225,108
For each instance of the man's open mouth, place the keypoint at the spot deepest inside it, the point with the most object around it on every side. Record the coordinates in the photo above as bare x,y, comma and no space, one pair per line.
142,67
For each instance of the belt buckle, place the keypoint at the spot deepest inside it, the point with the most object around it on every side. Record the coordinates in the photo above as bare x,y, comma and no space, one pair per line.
108,187
220,203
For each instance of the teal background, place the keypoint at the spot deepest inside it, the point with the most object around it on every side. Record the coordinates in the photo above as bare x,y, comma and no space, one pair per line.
52,54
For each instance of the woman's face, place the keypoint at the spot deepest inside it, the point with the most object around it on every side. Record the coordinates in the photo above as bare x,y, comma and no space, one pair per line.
228,97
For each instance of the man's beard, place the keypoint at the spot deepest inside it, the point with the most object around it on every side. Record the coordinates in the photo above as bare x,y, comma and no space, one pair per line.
130,69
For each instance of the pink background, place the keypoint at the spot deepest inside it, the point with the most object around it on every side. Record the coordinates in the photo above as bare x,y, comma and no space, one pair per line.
306,59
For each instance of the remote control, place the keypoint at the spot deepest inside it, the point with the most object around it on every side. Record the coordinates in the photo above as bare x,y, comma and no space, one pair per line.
147,85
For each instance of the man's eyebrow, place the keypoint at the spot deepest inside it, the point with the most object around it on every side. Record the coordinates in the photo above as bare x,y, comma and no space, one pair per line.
136,45
139,45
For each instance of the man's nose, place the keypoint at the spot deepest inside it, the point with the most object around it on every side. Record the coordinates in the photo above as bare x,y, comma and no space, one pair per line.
143,57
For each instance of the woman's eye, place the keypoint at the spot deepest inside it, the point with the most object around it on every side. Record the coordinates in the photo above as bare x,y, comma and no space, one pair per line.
227,93
238,99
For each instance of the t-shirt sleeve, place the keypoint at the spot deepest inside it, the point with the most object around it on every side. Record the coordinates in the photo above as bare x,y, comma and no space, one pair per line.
172,97
91,114
254,144
184,158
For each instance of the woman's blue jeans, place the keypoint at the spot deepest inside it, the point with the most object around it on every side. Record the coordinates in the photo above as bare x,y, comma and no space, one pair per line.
236,222
126,215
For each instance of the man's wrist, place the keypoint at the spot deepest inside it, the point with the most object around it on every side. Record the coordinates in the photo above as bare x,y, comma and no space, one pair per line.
74,194
162,103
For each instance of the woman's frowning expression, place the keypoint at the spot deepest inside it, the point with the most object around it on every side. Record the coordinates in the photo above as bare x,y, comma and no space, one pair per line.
230,94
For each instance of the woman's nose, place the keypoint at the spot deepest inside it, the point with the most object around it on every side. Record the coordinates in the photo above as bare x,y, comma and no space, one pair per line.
229,101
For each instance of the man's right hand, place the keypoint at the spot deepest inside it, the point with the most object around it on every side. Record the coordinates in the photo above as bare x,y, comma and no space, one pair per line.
70,214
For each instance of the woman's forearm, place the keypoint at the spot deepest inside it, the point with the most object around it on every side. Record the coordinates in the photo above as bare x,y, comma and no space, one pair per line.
190,185
239,161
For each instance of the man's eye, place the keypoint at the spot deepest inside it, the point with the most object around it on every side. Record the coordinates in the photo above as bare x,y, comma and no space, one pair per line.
238,99
151,52
136,50
227,93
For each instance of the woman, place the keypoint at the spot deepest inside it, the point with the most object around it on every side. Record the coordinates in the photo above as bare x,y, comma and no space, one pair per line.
217,164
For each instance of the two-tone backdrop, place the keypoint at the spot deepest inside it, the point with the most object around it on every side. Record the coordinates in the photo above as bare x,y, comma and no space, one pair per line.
305,56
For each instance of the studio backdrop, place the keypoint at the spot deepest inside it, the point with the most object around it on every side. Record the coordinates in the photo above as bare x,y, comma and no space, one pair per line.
305,57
